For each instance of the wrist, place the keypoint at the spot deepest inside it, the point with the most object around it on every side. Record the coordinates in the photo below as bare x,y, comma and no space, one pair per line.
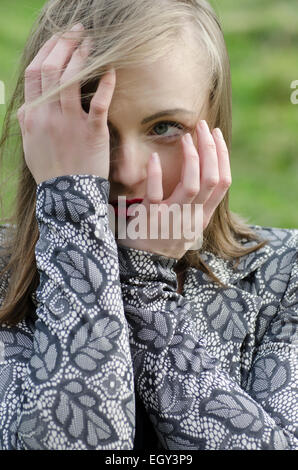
73,198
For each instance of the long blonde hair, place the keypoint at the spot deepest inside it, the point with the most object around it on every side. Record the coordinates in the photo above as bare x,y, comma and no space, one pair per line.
124,33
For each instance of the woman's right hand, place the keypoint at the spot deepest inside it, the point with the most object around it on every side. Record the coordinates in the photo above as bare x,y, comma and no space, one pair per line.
59,137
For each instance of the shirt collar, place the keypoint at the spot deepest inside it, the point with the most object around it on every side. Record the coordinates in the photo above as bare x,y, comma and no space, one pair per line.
224,270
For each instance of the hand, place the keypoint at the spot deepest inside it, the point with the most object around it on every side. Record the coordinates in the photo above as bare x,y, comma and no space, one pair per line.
59,137
205,179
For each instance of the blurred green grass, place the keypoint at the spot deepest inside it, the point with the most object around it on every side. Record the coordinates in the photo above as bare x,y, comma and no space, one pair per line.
262,40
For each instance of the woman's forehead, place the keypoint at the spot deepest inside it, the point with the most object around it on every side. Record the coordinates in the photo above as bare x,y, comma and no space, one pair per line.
175,75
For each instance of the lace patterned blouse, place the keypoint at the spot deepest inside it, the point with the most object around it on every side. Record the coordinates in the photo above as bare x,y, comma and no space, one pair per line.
112,352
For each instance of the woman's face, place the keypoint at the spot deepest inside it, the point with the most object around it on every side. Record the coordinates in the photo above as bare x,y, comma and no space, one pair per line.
152,107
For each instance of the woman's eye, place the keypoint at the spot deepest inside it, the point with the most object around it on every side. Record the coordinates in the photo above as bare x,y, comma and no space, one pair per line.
167,129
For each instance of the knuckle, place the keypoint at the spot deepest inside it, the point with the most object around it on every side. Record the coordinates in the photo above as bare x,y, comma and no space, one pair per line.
48,68
211,182
31,72
98,107
225,183
191,191
211,145
29,122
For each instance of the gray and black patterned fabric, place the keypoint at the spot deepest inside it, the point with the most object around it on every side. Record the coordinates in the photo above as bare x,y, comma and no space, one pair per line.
113,346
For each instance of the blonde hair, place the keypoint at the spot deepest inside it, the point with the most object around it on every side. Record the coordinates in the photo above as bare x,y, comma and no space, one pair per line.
124,33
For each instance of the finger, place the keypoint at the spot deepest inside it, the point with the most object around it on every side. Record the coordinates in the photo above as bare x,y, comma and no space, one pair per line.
154,190
208,162
70,97
100,103
154,180
225,178
33,72
52,67
189,186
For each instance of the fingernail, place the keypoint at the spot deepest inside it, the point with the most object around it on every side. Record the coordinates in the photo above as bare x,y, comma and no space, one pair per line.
77,27
110,71
188,138
218,133
204,126
155,157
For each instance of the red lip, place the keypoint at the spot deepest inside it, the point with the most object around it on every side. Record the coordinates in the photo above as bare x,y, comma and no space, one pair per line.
129,202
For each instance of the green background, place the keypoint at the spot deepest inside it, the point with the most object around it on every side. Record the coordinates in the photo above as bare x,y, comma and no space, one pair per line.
262,38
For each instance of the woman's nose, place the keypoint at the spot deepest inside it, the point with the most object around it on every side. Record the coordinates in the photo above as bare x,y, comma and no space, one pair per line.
128,164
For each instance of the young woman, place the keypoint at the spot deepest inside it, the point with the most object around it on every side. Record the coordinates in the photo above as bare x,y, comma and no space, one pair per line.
110,343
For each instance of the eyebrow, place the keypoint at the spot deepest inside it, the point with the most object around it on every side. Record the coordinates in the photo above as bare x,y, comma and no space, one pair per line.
166,112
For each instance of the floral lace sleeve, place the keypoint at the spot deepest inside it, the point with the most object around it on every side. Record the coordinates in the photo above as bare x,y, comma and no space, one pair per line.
273,379
192,403
79,390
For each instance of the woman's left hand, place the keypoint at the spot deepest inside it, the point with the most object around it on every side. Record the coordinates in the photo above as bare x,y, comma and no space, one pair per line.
205,179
